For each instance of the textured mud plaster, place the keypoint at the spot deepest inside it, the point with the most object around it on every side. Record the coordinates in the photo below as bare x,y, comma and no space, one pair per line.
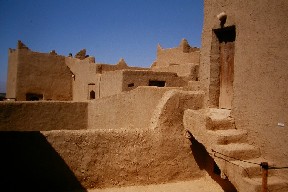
84,72
130,110
182,60
106,158
51,77
170,109
260,69
12,74
180,55
37,116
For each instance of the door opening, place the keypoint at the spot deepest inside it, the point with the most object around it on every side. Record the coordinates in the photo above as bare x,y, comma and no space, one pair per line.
226,37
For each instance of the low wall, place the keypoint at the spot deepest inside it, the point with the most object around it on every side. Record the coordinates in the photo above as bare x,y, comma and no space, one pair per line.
132,109
37,116
82,159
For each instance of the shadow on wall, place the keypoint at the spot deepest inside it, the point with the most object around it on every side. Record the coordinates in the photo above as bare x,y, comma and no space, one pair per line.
29,163
206,162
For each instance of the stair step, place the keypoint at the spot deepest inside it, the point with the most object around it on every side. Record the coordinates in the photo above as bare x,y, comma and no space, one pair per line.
229,136
274,184
216,113
220,119
248,169
237,150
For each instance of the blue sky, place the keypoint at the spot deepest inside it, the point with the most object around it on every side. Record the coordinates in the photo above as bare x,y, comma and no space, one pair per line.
108,29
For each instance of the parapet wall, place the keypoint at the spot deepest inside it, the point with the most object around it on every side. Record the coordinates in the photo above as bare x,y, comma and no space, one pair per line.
41,73
38,116
132,109
183,54
84,159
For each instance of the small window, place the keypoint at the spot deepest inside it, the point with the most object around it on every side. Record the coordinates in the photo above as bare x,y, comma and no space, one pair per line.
131,85
34,97
157,83
92,94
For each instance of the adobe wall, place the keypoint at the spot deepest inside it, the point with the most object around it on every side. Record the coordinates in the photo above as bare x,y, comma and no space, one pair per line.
38,116
178,55
103,68
260,69
85,73
12,74
42,73
142,78
103,79
110,83
130,110
84,159
188,71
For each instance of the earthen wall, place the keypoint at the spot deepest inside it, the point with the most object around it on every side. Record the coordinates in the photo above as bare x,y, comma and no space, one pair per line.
39,116
166,57
260,69
135,78
84,73
12,74
42,73
110,83
126,110
81,160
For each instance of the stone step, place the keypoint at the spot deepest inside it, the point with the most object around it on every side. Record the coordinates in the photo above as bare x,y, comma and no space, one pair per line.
224,137
219,119
250,168
240,151
275,184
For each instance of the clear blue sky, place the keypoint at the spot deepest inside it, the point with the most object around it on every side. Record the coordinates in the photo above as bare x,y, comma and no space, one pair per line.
108,29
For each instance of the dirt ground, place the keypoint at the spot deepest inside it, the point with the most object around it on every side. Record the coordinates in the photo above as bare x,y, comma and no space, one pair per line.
200,185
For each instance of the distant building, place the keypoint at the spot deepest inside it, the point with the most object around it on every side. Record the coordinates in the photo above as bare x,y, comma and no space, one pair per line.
219,112
49,76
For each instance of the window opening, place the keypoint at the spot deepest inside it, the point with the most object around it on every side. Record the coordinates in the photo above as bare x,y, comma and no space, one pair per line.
131,85
34,97
157,83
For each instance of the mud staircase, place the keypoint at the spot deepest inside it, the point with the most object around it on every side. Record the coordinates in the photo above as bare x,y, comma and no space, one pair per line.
237,160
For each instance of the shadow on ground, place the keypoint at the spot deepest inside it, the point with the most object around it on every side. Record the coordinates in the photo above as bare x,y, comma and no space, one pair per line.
29,163
206,162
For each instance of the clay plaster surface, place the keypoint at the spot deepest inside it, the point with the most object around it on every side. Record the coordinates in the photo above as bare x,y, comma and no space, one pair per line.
37,116
39,73
260,70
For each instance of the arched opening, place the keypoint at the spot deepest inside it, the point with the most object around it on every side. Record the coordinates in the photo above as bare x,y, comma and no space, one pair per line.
92,94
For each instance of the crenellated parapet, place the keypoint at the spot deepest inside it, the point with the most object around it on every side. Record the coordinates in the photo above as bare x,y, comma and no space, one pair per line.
21,45
81,54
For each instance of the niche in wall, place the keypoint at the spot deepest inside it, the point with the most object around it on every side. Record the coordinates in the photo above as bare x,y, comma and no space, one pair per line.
34,97
157,83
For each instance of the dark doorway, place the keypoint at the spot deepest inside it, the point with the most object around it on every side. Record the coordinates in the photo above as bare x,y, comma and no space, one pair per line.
92,94
157,83
34,97
226,37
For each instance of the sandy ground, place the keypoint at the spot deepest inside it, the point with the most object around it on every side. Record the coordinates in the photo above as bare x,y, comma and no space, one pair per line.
200,185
